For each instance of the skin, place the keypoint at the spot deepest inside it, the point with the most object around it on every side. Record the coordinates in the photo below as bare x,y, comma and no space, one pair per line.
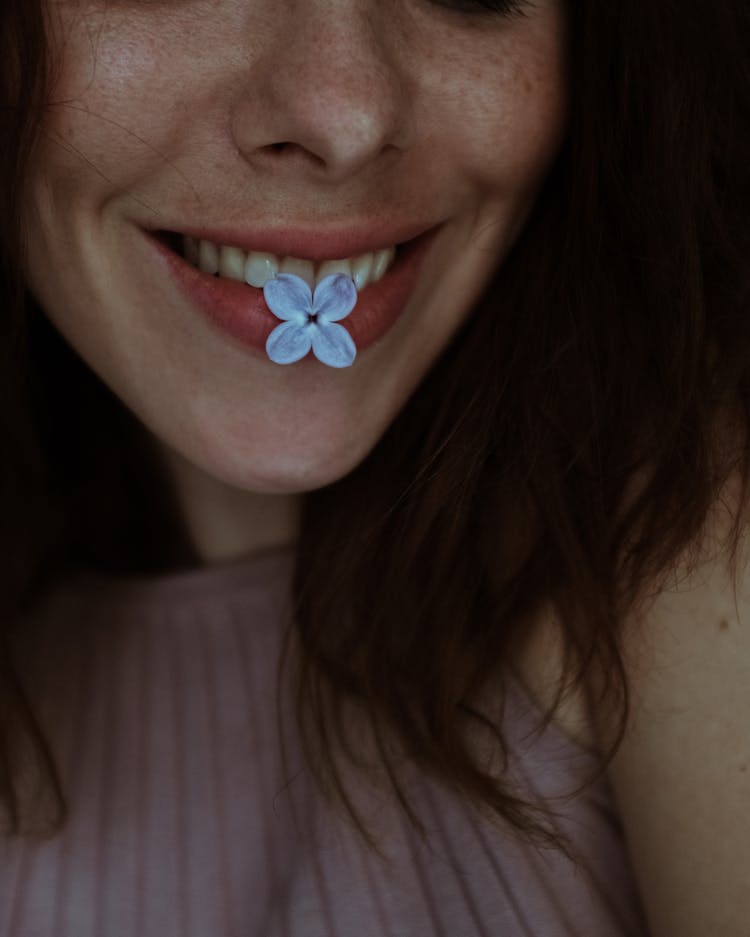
168,111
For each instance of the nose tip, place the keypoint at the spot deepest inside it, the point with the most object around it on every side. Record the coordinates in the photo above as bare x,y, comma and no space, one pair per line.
327,106
333,145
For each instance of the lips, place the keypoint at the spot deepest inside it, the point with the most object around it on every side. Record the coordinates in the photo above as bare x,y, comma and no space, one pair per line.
241,313
314,245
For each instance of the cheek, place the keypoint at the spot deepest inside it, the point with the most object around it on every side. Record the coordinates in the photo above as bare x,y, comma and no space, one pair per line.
514,153
514,113
108,108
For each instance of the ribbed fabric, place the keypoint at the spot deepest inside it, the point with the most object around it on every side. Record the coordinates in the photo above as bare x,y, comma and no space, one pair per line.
158,697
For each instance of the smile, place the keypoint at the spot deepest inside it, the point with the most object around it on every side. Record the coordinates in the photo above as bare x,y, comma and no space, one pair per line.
256,268
223,283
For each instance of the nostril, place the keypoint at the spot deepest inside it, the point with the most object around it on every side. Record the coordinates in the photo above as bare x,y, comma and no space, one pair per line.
291,151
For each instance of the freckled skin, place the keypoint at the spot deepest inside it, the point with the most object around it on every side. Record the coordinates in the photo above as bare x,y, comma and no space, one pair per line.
175,111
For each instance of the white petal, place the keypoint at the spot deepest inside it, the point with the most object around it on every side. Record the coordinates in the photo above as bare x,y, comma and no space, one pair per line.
333,345
288,297
335,297
288,343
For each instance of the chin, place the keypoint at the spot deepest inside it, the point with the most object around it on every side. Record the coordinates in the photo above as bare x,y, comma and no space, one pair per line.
290,476
278,467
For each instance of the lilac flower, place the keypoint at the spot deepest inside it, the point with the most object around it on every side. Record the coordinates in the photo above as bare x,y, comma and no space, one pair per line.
310,320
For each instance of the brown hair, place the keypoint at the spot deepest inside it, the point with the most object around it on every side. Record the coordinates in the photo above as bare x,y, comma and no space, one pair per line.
566,449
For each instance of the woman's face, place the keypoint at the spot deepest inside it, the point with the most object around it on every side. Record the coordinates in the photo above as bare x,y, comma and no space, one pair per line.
315,130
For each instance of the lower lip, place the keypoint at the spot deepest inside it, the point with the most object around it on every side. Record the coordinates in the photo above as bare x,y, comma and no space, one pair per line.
241,311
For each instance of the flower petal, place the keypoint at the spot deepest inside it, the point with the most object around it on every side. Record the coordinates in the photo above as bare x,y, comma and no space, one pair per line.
289,297
289,342
333,345
335,297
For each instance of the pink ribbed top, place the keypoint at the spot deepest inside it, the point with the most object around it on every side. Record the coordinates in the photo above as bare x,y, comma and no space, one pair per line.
158,697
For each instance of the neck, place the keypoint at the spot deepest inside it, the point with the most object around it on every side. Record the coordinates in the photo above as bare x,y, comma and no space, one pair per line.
227,523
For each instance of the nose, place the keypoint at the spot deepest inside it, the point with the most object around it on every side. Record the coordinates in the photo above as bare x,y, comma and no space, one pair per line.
324,93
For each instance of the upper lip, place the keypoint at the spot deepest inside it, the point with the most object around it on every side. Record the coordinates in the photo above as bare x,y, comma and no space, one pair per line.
313,244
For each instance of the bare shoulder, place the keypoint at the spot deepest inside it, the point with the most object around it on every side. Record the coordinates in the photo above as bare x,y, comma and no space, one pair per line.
682,776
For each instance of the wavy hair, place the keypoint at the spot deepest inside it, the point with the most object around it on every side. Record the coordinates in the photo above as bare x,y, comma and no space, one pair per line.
565,451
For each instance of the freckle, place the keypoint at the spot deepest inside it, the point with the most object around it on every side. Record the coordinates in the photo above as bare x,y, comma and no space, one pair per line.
723,625
743,769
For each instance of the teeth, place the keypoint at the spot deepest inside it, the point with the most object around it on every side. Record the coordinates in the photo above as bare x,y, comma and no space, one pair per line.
383,260
232,263
208,257
304,269
257,268
191,250
330,267
362,270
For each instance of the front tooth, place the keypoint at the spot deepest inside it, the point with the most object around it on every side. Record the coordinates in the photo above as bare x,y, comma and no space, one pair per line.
259,269
330,267
208,257
232,263
304,269
383,260
362,270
